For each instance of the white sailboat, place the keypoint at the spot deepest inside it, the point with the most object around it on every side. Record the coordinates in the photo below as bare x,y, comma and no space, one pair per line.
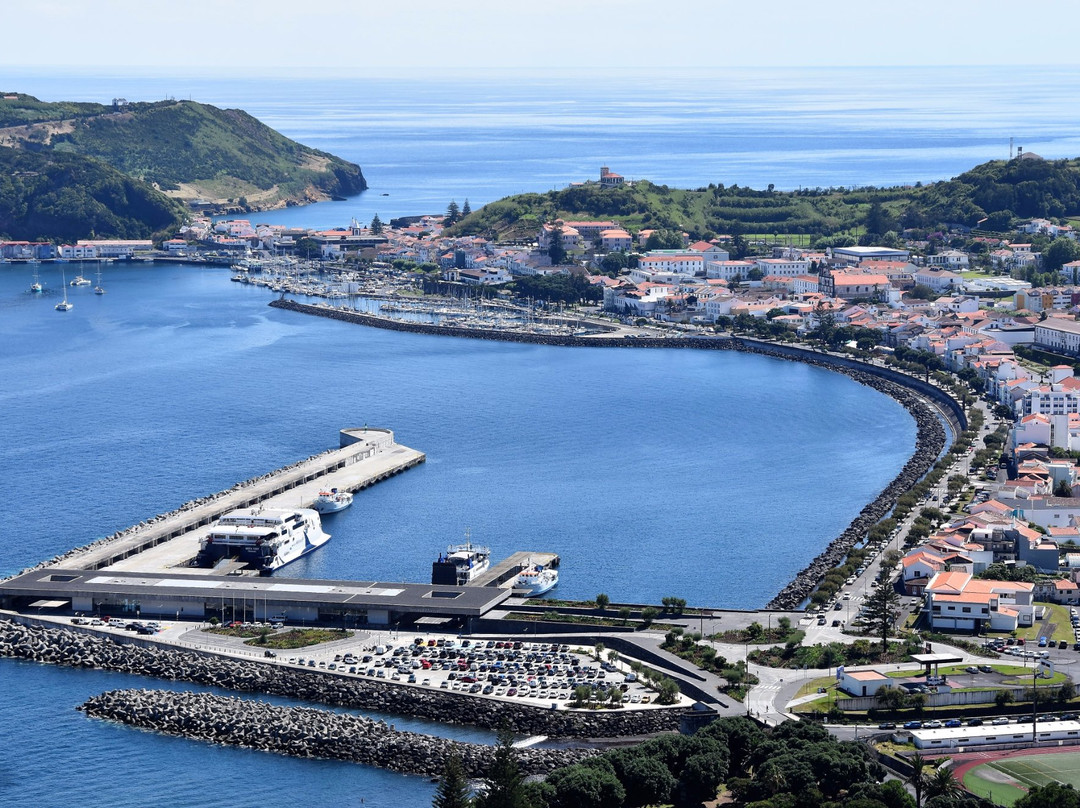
64,305
99,289
35,287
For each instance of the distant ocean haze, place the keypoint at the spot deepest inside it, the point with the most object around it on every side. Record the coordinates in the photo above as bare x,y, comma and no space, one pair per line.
425,142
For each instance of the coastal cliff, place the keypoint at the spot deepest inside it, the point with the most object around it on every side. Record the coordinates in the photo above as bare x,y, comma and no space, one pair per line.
222,159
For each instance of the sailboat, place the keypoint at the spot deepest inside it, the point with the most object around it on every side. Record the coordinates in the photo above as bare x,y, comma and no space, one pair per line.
99,290
64,305
35,287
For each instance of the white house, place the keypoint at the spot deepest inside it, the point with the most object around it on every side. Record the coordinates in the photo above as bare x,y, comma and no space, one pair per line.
956,601
939,280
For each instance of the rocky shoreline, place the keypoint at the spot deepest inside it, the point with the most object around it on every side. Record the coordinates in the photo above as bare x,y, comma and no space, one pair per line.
930,440
86,650
307,732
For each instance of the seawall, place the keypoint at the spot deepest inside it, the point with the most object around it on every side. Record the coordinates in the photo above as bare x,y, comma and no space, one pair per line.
307,732
142,657
927,404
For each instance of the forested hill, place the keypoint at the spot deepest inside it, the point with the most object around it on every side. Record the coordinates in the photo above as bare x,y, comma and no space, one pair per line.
58,196
191,151
989,195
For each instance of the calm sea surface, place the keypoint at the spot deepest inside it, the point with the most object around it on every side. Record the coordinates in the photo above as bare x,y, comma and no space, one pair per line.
708,476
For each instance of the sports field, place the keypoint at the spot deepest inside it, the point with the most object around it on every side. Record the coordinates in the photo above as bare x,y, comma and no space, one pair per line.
1007,778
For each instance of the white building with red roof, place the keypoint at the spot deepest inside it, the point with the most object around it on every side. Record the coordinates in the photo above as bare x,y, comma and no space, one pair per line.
957,601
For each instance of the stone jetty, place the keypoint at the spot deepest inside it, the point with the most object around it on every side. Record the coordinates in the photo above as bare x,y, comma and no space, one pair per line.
307,732
142,657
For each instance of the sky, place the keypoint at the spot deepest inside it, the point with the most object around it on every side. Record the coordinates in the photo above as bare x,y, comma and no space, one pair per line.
361,37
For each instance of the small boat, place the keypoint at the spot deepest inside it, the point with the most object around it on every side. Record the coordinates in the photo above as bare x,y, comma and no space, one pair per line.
79,280
462,564
36,287
99,289
64,305
535,581
332,501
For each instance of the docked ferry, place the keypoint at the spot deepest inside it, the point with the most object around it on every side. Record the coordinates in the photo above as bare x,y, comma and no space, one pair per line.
461,564
332,501
535,581
262,538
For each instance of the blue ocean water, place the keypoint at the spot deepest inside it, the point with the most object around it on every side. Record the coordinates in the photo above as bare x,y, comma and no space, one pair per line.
178,383
708,476
426,140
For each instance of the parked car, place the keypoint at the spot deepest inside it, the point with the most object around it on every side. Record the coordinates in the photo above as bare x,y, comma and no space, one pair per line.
975,722
971,669
952,723
913,725
886,725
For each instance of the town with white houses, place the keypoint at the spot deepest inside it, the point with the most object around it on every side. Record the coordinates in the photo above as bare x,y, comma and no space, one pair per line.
969,312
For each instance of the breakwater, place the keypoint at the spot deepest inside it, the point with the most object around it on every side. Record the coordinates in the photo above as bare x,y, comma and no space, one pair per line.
187,507
927,404
307,732
89,650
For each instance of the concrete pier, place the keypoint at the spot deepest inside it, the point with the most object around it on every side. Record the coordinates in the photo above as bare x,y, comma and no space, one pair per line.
365,457
504,573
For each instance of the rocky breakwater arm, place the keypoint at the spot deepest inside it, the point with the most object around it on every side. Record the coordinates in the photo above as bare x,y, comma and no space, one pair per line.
89,650
306,732
930,440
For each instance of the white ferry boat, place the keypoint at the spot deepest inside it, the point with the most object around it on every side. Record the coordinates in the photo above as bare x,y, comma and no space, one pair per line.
263,538
461,564
332,500
535,581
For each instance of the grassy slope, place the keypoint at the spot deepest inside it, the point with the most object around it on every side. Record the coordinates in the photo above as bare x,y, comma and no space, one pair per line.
189,149
52,195
1025,188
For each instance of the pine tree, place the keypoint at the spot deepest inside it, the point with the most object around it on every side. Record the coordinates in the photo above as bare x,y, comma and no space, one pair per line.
452,213
504,781
376,225
453,790
465,209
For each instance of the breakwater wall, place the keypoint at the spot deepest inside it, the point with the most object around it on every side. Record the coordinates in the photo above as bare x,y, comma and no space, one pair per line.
307,732
187,507
88,650
927,404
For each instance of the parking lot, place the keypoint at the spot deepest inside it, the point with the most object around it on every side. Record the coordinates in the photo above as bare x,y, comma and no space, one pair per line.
540,673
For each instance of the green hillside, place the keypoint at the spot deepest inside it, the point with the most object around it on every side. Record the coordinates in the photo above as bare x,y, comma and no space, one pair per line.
191,151
990,195
64,197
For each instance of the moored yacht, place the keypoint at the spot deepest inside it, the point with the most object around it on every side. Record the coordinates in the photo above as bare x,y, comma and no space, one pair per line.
535,580
332,500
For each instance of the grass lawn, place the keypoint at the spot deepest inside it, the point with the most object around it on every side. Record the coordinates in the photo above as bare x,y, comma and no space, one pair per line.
1005,781
811,687
299,638
1056,614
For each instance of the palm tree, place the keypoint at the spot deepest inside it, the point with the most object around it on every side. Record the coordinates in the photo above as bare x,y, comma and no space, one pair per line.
917,779
942,783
